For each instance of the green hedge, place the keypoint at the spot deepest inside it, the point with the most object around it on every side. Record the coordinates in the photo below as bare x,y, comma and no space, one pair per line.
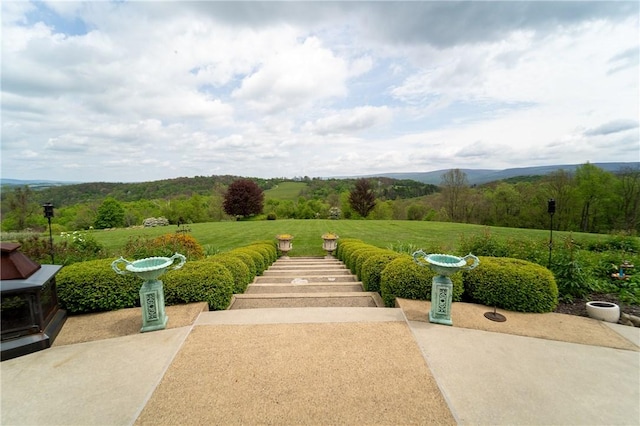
365,260
247,259
267,249
352,259
351,252
403,278
372,269
343,247
512,284
362,257
258,258
93,286
238,268
199,281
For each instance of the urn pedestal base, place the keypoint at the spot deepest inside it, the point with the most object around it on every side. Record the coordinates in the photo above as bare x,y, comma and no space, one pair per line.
441,298
152,302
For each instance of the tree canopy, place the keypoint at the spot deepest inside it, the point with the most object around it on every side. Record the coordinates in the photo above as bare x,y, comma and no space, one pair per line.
362,199
243,198
110,214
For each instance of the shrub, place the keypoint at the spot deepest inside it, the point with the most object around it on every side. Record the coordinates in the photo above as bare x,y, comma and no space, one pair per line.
483,244
620,242
93,286
362,256
271,216
573,276
350,252
238,269
247,259
408,248
256,256
199,281
403,278
267,249
163,246
83,243
151,222
74,247
536,251
512,284
372,269
343,244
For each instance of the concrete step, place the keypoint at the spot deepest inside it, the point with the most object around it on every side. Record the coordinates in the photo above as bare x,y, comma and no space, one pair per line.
319,264
307,258
304,267
303,279
301,300
300,315
311,272
306,283
304,288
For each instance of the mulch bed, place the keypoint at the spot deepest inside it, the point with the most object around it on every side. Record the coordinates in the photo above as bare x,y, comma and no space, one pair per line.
578,306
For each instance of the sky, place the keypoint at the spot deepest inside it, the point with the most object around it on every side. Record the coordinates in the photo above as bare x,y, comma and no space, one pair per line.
123,91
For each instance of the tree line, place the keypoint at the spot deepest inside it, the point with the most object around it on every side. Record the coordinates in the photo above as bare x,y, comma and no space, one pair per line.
588,200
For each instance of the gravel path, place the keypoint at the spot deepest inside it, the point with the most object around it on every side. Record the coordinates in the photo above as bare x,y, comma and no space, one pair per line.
347,373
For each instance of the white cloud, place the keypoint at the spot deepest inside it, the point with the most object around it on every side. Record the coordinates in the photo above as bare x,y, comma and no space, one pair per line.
142,91
296,77
349,121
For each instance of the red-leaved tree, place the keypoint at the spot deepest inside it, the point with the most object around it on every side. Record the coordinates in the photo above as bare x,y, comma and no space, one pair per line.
362,199
243,198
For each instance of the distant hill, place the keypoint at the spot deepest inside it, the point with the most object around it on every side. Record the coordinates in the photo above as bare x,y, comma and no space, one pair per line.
34,184
67,193
480,176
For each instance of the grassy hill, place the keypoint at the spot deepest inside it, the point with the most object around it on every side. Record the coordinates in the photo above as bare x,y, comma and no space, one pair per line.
430,236
285,191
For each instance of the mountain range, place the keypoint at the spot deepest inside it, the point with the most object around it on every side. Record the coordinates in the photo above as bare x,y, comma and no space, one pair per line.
480,176
474,176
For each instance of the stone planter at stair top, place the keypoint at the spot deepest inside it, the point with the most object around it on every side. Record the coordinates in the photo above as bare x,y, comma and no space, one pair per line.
604,311
284,243
330,242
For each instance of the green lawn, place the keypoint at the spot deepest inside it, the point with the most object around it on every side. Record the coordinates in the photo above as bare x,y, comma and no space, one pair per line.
223,236
285,191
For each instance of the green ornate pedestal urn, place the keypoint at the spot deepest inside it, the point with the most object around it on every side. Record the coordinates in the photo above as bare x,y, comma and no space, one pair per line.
441,286
151,292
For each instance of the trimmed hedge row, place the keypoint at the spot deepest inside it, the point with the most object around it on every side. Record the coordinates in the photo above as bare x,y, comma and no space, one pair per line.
507,283
372,269
404,278
364,260
512,284
199,281
238,268
93,286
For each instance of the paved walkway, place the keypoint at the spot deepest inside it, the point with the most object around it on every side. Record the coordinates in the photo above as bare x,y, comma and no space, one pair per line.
482,377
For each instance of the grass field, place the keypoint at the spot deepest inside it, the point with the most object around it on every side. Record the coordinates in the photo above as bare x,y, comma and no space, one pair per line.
285,191
224,236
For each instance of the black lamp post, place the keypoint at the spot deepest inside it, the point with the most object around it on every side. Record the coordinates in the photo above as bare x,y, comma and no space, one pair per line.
551,209
48,213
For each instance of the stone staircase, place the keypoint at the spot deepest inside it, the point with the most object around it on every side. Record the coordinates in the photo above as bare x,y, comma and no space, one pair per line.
299,282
